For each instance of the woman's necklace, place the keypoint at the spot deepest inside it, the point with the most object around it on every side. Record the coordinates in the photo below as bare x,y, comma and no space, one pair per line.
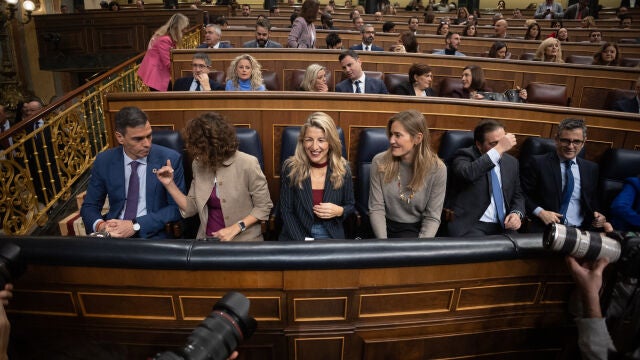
405,194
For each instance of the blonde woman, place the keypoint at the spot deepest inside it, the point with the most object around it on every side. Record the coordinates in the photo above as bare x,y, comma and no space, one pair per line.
315,79
317,190
155,68
244,74
408,181
549,51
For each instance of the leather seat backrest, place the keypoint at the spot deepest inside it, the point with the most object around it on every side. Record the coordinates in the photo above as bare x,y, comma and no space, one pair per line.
630,62
548,94
173,140
391,81
615,95
289,141
527,56
615,166
448,85
249,142
451,141
533,146
579,59
218,76
371,141
271,81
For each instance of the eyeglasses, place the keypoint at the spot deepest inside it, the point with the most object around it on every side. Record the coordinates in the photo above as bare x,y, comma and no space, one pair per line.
567,142
199,66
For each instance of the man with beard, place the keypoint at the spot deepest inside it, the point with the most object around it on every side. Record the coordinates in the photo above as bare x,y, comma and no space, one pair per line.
368,35
263,32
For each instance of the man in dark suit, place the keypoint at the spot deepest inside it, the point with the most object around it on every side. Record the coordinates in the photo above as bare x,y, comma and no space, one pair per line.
357,82
486,194
559,186
630,4
200,80
139,205
263,32
368,35
212,37
630,105
577,11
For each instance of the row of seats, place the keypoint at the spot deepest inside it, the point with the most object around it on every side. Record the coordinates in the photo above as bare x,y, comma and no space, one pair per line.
615,165
538,93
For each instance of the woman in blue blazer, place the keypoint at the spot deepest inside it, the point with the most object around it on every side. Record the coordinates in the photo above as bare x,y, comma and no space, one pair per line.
317,191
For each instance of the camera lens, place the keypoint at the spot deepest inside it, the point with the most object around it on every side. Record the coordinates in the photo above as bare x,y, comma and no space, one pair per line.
580,244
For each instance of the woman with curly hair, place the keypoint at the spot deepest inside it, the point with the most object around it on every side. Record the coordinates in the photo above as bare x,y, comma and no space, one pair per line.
499,50
229,192
155,68
549,51
244,74
408,181
533,32
316,194
607,55
315,79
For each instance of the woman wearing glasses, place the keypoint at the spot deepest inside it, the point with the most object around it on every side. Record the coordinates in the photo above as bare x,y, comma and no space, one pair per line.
408,181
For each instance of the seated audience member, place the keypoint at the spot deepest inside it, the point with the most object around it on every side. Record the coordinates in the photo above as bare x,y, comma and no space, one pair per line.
470,30
104,5
389,27
607,55
408,181
326,22
196,4
517,14
462,16
212,36
414,23
501,5
5,124
329,9
222,22
244,74
556,24
263,32
246,10
114,6
486,194
274,11
500,29
533,32
356,81
577,11
139,206
315,79
497,16
625,22
316,194
303,31
588,22
354,14
595,36
358,23
368,33
406,43
140,4
420,80
155,68
549,10
378,16
549,51
472,82
499,50
562,34
443,28
561,187
200,80
292,18
452,42
630,105
229,192
334,41
625,208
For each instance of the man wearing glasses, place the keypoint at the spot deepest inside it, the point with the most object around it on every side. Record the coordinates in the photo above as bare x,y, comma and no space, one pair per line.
199,81
368,35
559,186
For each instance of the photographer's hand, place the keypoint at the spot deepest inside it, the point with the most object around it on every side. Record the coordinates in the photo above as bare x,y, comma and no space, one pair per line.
588,277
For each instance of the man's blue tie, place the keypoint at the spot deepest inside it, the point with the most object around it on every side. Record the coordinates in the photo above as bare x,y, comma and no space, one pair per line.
133,193
358,90
498,199
568,189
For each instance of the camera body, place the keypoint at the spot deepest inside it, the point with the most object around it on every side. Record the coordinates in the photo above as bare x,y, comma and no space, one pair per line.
218,335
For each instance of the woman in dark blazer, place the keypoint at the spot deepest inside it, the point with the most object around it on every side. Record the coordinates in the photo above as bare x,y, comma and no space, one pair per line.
317,190
420,80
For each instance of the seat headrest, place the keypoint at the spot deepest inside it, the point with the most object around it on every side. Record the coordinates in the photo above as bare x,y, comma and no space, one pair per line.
249,142
371,142
451,141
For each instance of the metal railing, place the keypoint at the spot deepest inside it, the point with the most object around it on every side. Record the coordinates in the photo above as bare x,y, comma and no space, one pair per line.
53,149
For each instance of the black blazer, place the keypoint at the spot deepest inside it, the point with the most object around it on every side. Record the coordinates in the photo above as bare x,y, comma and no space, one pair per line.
184,84
407,89
542,185
371,86
296,206
471,193
627,105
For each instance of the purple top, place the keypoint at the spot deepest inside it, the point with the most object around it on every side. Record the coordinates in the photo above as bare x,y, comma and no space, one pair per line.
216,218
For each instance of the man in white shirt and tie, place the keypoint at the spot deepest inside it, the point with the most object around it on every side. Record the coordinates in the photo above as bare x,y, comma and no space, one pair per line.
368,35
356,81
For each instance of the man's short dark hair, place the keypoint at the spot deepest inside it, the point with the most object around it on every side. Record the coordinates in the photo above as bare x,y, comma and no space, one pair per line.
204,57
130,116
264,23
449,35
572,124
364,27
387,26
346,53
411,18
485,126
333,39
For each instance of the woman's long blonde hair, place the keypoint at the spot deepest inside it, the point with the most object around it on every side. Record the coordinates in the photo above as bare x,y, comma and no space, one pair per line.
310,77
256,72
174,28
424,159
541,54
299,162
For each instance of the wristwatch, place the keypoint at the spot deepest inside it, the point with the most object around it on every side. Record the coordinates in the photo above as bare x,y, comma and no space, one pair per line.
243,227
136,226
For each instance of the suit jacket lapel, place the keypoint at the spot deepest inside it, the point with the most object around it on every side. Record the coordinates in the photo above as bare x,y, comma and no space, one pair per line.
153,162
307,196
554,164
